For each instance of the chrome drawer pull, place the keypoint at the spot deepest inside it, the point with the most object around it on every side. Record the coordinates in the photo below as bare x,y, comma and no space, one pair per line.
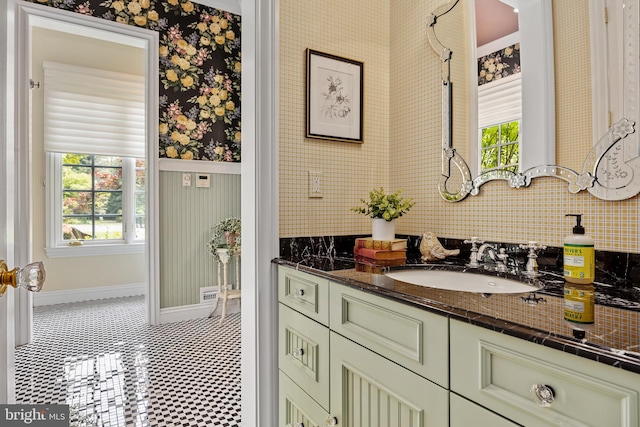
300,425
332,421
298,352
543,395
299,293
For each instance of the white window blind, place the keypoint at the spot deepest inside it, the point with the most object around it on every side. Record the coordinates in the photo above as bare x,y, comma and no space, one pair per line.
499,101
93,111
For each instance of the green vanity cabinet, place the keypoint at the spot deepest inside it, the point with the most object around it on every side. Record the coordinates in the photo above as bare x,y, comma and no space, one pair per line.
366,377
502,373
357,359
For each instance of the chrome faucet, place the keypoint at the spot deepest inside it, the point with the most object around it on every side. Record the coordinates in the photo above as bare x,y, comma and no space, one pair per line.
500,257
531,268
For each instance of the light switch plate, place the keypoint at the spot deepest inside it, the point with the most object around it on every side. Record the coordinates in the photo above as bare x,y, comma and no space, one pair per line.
186,180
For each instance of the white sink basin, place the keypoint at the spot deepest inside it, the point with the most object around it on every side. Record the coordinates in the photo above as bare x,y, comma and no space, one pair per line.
458,281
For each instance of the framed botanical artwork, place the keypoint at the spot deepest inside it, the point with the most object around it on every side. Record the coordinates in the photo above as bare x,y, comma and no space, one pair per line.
334,97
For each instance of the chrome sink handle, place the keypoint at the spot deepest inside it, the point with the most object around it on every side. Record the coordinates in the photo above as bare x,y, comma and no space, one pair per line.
532,265
473,258
503,259
543,395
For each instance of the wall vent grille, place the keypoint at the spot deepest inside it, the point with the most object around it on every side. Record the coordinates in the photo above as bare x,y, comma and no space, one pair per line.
208,294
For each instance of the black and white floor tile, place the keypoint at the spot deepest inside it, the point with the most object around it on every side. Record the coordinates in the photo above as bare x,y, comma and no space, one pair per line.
101,358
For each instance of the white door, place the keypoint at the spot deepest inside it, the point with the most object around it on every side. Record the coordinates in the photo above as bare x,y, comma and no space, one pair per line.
8,199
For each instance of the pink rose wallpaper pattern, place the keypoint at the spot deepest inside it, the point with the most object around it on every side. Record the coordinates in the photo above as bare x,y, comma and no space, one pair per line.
200,67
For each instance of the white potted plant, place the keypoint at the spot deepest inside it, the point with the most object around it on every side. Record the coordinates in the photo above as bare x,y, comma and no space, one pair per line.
384,209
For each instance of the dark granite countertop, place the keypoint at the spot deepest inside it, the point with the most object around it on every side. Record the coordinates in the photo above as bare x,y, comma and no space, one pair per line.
614,339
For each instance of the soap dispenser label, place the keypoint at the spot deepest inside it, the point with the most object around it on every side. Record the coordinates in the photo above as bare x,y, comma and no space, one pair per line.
578,261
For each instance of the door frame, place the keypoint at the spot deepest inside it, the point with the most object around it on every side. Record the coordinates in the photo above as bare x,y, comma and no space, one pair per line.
259,212
29,16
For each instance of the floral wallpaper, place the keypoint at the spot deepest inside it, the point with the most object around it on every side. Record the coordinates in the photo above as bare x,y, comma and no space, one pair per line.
499,64
200,66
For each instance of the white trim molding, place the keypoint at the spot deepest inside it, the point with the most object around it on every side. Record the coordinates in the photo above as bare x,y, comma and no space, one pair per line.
201,166
95,250
87,294
196,311
259,212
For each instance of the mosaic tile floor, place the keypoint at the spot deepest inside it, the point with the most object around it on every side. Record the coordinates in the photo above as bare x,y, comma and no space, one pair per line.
101,358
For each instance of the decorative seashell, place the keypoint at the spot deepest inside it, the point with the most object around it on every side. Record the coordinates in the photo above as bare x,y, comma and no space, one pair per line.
432,250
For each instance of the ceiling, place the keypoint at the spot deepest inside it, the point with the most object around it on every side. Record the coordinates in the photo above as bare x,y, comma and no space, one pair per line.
494,19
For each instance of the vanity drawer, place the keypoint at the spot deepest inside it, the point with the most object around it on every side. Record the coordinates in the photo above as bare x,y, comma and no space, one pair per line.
304,293
413,338
297,408
499,372
303,353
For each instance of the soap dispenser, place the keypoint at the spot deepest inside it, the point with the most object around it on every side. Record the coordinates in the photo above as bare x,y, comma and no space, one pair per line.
579,255
579,272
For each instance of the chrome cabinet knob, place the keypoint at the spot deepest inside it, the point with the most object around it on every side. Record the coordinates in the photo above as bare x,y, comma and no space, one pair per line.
298,352
332,421
299,293
543,395
300,425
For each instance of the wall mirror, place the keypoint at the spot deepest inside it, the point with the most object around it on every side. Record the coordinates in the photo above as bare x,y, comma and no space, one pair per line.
480,144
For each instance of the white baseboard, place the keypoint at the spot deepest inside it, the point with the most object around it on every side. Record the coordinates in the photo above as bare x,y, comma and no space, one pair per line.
196,311
87,294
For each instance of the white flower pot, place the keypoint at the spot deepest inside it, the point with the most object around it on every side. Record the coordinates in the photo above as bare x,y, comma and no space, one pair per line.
383,230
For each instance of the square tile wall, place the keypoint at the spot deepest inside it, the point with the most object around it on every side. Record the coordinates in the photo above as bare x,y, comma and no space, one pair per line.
403,132
357,30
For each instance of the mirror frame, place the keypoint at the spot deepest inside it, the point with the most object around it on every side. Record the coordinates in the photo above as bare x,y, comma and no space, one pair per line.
610,167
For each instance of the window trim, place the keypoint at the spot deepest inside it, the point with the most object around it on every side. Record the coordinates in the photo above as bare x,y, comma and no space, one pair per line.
57,247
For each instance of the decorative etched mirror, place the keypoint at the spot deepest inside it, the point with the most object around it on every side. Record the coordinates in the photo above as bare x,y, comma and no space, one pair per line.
610,171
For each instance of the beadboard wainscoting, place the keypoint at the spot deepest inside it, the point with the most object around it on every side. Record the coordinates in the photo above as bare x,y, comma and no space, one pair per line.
187,215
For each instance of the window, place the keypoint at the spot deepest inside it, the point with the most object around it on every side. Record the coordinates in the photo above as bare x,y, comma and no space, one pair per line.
500,147
96,200
499,119
94,138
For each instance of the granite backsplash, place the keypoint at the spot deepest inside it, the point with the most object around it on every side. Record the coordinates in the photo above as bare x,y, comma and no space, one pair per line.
617,279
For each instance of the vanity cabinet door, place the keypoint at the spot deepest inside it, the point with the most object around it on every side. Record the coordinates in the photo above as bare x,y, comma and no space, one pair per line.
369,390
409,336
297,409
502,374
